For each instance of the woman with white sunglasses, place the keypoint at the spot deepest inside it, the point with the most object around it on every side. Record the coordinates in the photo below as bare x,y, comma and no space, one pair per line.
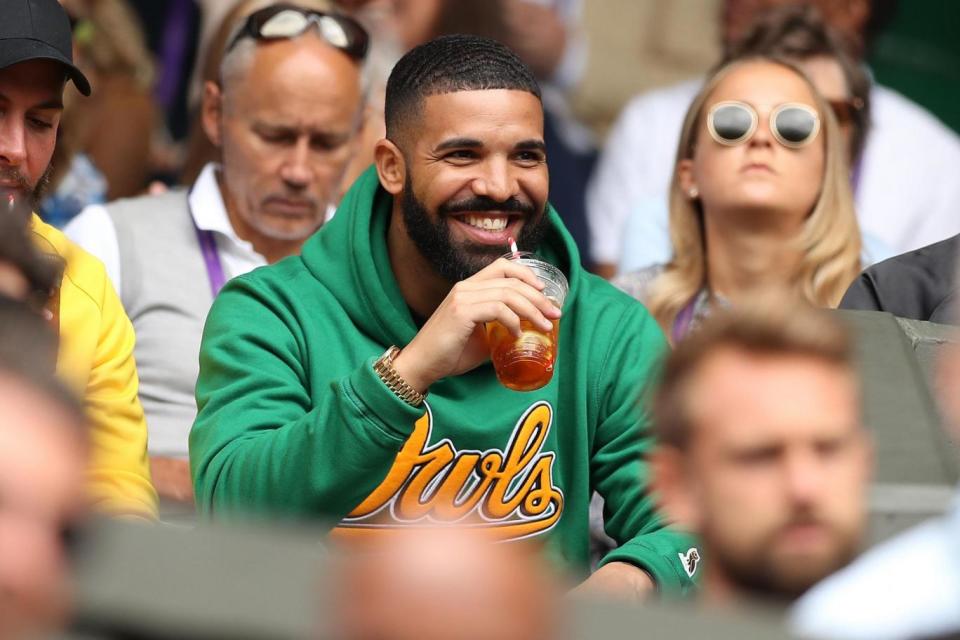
760,197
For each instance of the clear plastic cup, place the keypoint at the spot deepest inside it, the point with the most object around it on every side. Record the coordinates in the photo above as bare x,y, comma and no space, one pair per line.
526,363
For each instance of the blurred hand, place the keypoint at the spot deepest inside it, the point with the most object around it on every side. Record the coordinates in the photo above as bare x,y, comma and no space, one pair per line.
453,340
617,581
171,478
537,33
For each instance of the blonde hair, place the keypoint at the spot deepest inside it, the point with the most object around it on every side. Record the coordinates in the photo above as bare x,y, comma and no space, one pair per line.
829,241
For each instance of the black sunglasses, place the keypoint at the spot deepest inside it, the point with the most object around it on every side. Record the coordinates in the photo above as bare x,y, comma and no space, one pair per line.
289,21
794,125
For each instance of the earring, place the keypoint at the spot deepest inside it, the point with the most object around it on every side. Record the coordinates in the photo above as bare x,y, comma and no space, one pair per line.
693,193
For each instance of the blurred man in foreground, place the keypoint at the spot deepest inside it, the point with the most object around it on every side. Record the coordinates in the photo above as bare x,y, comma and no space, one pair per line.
762,450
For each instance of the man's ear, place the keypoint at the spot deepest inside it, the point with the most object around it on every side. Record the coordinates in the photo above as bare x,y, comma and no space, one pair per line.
211,112
672,488
391,166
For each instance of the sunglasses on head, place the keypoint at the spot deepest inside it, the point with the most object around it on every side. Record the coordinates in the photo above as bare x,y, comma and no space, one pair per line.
793,124
289,21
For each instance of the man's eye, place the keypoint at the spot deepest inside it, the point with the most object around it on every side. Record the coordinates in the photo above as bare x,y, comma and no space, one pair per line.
758,456
326,144
272,137
530,156
37,123
461,154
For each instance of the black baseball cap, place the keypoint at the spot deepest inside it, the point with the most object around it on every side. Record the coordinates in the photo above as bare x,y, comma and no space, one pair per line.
38,29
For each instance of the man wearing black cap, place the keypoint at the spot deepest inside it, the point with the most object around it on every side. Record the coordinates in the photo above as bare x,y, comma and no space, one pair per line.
96,337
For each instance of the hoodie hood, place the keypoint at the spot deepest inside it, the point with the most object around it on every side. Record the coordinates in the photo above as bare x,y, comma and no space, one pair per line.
361,277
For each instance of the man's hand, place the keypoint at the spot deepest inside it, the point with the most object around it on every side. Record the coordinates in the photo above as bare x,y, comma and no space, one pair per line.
453,340
617,581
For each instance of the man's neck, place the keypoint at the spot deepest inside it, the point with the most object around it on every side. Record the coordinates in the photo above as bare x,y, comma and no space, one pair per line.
421,286
742,259
271,249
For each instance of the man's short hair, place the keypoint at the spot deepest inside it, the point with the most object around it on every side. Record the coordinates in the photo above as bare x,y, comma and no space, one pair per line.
449,64
769,327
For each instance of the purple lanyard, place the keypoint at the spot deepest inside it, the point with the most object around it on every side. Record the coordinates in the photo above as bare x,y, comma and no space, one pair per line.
681,324
211,257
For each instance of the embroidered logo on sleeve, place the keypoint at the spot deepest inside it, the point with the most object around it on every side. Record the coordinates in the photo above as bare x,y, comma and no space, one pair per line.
690,560
511,492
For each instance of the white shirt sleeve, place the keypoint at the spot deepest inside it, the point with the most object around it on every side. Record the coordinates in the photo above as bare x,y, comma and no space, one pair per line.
93,230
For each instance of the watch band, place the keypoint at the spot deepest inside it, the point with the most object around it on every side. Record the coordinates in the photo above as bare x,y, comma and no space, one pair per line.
385,371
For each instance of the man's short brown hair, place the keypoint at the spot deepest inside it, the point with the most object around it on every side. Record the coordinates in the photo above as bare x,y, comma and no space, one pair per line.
772,326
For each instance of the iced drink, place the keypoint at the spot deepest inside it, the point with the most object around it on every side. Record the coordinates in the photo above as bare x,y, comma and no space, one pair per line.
526,363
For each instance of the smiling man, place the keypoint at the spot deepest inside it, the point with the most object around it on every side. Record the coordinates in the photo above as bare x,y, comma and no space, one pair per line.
353,383
285,115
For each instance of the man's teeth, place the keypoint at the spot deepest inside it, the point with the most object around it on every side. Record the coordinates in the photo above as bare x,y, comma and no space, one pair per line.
487,224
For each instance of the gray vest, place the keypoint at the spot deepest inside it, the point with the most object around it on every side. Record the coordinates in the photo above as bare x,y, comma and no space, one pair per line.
166,293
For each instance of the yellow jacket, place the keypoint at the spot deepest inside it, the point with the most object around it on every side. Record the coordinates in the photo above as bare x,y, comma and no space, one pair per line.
96,360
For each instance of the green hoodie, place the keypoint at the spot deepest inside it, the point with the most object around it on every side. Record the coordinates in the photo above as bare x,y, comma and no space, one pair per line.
294,421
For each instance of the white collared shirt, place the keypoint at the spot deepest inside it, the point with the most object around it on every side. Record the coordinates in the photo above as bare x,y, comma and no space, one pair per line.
94,231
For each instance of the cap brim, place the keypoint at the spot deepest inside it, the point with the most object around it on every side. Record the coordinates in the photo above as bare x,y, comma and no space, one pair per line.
16,50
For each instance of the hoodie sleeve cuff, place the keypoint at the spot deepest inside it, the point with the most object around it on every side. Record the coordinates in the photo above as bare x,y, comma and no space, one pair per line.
378,404
672,562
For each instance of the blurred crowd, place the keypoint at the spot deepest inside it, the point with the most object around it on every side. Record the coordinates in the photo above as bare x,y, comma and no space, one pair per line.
522,309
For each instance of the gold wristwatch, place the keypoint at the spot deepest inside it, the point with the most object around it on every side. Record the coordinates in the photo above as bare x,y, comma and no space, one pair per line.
384,368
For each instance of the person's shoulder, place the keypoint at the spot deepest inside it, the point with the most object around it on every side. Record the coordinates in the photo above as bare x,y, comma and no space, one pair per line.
932,263
279,278
146,206
933,256
81,269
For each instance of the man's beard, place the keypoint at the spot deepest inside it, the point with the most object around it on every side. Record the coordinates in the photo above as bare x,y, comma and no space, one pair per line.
456,262
764,576
27,199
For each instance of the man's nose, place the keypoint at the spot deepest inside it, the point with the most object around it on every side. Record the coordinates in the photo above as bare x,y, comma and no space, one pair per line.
496,181
297,171
13,144
804,477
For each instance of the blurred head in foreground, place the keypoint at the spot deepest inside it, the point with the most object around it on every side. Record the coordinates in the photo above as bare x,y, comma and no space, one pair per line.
444,583
42,461
762,451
